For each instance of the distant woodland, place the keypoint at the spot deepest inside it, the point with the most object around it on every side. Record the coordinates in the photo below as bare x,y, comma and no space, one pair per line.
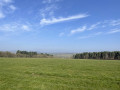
115,55
25,54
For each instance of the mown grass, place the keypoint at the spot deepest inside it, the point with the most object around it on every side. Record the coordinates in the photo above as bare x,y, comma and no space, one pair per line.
59,74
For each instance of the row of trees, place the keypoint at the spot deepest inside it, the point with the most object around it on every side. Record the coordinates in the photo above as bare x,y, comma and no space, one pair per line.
25,54
98,55
7,54
32,54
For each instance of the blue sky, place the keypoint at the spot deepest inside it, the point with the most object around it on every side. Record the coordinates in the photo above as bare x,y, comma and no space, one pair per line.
60,25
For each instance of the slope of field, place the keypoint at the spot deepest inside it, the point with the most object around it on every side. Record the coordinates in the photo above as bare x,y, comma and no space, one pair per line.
59,74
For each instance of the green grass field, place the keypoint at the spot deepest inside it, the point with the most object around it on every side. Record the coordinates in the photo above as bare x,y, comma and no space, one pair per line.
59,74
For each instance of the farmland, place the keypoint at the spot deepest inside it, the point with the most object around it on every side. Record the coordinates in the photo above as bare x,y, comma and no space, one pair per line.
59,74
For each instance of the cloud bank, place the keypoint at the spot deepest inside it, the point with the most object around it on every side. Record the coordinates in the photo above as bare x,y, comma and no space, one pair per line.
6,7
78,30
15,27
99,25
62,19
114,31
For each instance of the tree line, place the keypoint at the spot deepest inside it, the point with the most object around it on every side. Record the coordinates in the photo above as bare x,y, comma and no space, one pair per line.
25,54
7,54
115,55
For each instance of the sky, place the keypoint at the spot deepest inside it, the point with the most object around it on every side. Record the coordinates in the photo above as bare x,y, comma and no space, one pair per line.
60,25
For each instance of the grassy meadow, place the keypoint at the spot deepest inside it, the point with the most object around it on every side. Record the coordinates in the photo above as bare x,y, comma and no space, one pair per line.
59,74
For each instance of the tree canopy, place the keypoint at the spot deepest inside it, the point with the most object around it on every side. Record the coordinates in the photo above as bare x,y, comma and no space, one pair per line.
98,55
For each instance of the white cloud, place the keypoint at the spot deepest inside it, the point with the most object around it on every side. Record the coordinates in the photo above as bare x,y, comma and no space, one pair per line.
12,7
114,31
1,15
13,27
7,1
115,22
8,27
61,34
48,11
93,26
25,27
6,7
56,20
92,35
78,30
47,1
50,1
99,26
